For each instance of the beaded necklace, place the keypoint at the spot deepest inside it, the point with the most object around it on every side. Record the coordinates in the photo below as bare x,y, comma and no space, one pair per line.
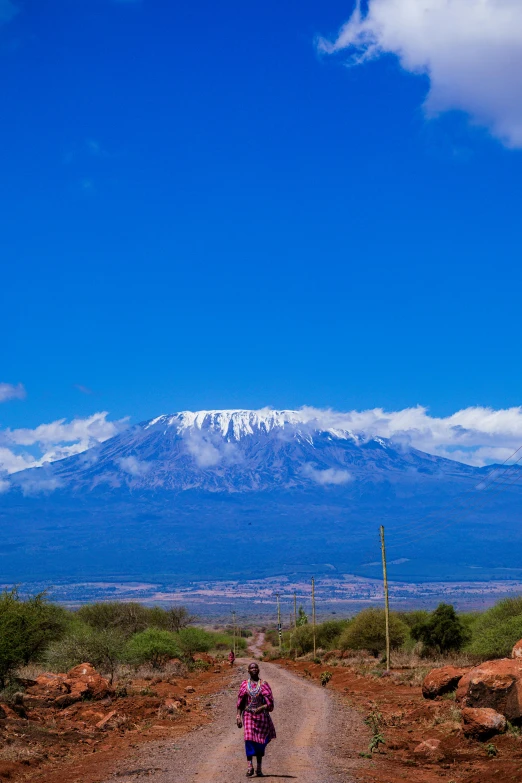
253,688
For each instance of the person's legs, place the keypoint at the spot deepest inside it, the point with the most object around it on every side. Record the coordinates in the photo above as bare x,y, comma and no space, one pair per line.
259,757
250,755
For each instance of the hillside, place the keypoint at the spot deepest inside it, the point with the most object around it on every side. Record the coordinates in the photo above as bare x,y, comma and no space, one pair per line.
199,495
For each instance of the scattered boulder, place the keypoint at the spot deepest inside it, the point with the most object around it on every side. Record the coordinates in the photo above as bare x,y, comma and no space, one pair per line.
441,681
481,723
83,681
496,685
429,748
62,690
517,650
190,689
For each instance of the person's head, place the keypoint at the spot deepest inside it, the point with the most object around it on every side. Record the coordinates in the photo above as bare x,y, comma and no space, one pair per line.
253,671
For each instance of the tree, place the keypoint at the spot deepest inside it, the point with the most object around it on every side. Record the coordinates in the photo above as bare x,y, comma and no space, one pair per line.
104,648
442,632
367,631
494,632
193,640
129,617
302,618
152,646
26,629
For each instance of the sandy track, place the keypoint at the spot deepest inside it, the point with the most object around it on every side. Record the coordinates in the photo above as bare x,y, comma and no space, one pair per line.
309,723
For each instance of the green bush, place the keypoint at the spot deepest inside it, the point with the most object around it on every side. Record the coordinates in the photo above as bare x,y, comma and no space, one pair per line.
442,632
225,641
495,631
329,633
152,646
193,640
104,649
128,617
26,629
367,631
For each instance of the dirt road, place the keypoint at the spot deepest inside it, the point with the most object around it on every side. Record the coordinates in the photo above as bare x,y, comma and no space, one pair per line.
309,721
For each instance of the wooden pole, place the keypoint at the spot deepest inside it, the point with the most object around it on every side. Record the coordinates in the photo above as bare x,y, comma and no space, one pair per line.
279,626
234,629
386,599
313,613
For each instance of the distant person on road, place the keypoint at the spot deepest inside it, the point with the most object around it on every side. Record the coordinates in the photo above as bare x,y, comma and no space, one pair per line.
231,657
254,703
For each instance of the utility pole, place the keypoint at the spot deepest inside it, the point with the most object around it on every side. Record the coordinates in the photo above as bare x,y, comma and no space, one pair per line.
386,599
313,613
295,609
234,629
279,626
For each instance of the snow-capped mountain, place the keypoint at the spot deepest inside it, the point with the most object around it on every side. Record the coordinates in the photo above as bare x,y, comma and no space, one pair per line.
236,451
203,494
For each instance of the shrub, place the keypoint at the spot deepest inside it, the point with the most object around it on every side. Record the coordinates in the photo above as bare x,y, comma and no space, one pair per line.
152,646
104,649
494,634
26,628
442,632
329,633
367,631
129,618
302,618
193,640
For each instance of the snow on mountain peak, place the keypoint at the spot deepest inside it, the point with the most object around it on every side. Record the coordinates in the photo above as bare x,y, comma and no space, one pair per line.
236,424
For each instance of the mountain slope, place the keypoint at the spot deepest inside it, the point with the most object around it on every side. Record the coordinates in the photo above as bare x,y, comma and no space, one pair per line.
188,495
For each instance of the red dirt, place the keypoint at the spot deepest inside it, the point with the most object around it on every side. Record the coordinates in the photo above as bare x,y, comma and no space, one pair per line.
50,746
407,720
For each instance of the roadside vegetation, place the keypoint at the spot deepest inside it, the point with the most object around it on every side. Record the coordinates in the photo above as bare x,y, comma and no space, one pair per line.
35,632
416,636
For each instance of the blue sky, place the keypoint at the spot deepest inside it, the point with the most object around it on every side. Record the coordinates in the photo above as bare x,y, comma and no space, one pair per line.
200,210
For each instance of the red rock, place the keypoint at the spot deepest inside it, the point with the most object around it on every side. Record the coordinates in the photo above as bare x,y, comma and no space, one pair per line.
440,681
496,685
516,652
429,748
83,681
104,721
482,723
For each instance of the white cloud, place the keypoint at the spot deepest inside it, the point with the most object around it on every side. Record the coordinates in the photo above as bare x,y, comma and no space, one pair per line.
209,449
470,49
94,428
5,486
477,436
54,441
8,391
328,476
134,466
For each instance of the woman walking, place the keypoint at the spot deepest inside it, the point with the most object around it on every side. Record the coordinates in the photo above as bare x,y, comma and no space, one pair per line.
254,703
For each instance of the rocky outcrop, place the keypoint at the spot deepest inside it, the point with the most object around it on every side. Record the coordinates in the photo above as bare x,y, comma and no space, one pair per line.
61,690
441,681
496,685
516,652
482,723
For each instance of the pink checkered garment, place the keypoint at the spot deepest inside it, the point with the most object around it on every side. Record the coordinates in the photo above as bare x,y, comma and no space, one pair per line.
258,728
